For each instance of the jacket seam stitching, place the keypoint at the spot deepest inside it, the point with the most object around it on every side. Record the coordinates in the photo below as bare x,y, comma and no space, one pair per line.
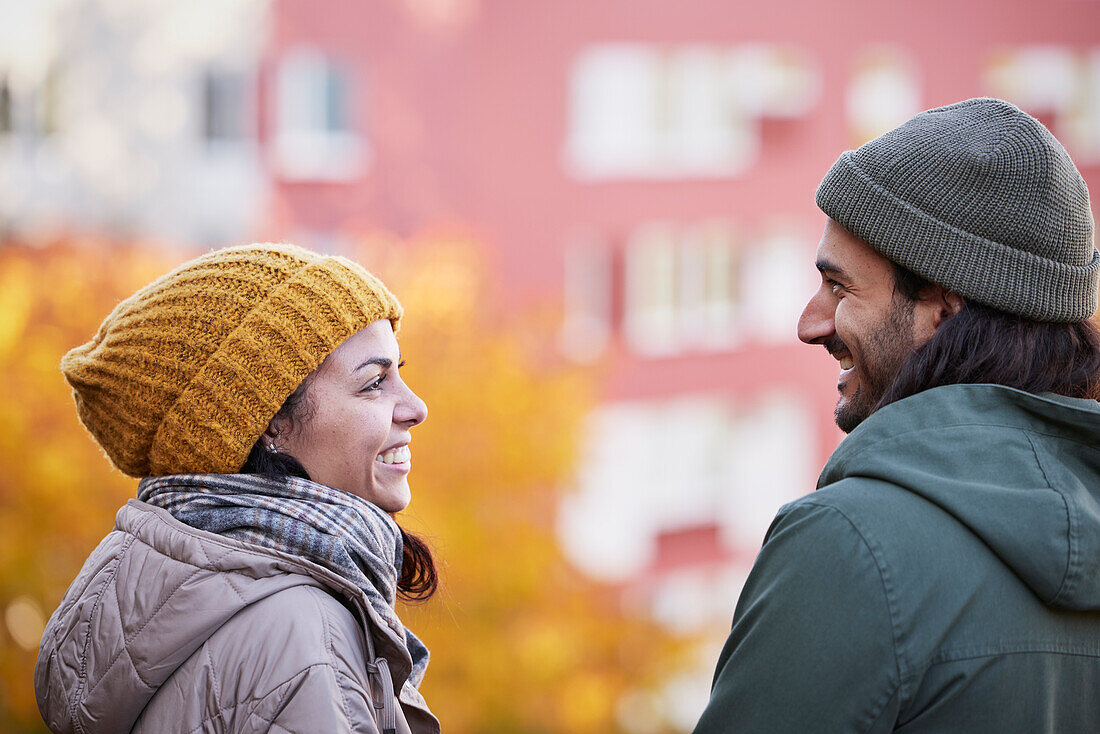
82,685
220,713
110,572
133,663
232,545
1066,585
129,536
327,632
978,655
227,578
328,578
214,676
152,615
860,450
890,605
211,567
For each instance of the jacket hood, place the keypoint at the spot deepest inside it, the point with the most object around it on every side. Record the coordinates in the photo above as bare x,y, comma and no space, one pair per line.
146,599
1020,471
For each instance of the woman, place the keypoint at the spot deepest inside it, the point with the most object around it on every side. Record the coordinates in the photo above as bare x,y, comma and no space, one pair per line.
250,587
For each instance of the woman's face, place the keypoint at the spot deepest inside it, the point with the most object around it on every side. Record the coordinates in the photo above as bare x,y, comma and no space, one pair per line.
353,433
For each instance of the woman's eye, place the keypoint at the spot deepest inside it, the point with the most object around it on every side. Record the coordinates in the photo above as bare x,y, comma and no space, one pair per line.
375,384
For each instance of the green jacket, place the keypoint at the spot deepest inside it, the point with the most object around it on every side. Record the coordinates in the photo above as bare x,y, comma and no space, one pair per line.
944,577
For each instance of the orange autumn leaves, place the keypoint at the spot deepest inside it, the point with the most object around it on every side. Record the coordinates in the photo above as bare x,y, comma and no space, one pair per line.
58,493
520,642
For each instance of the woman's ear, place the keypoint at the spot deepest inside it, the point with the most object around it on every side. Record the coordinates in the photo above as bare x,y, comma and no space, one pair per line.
270,435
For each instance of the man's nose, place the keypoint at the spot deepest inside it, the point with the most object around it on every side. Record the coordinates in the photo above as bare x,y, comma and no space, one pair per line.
815,325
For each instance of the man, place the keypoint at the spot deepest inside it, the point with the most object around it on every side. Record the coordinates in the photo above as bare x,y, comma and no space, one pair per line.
945,576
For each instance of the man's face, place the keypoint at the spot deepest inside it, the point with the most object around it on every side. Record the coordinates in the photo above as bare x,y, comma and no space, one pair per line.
857,316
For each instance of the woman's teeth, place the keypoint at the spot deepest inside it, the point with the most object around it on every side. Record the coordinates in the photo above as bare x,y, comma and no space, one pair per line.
399,455
847,363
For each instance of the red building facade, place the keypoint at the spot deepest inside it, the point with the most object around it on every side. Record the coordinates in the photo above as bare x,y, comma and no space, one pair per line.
651,167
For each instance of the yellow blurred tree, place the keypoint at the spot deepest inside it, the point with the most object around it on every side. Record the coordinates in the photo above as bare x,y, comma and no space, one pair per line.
58,493
520,642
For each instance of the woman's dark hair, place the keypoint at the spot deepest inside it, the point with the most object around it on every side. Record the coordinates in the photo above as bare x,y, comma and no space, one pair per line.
981,344
419,579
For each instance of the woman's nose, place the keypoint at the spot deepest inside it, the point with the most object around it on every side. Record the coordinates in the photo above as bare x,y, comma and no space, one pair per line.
411,409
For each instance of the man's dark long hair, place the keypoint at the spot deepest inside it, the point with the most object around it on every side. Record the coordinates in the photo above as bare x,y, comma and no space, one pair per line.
981,344
419,579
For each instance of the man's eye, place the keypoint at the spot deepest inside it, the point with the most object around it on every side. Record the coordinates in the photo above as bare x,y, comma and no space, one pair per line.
833,285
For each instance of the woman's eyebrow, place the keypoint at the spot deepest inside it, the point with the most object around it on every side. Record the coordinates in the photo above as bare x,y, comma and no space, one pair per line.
380,361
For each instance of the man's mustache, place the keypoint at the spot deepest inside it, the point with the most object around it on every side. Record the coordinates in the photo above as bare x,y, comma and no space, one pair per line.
835,346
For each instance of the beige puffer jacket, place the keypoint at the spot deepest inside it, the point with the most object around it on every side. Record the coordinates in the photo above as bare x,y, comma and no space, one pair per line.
173,629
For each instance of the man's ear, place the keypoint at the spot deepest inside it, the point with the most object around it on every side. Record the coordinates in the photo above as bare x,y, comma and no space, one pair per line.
947,303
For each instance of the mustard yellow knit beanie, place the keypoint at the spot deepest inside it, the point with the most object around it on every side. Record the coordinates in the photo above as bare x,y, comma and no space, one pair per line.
184,376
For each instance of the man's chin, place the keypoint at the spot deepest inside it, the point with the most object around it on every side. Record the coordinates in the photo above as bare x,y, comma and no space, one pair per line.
850,412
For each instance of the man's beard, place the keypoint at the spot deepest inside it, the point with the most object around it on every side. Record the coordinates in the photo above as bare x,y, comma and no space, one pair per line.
881,354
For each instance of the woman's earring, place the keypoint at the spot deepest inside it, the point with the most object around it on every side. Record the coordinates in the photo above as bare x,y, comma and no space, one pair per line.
272,448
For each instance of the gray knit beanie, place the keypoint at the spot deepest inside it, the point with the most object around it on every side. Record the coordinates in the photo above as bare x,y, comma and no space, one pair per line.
980,198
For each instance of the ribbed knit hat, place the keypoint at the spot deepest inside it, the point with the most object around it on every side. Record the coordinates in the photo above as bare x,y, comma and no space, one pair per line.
184,376
980,198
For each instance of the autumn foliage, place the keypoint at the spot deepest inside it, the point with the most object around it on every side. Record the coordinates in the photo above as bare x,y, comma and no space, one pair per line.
58,493
520,642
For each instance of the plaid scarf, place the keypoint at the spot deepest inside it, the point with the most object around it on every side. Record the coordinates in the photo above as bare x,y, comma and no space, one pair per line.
335,529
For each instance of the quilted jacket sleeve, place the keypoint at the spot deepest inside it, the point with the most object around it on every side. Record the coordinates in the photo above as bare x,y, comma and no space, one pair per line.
314,700
294,662
811,647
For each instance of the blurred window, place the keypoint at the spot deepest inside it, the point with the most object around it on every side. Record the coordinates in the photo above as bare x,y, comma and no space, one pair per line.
709,288
224,106
1041,78
1082,124
702,288
682,288
315,138
883,93
337,118
651,289
648,111
776,281
5,106
1057,84
654,468
587,298
47,102
30,109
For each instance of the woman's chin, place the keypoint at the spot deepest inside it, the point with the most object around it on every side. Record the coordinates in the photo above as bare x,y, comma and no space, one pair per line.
390,497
